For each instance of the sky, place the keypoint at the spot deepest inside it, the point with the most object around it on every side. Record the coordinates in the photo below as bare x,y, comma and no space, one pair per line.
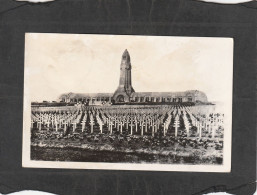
85,63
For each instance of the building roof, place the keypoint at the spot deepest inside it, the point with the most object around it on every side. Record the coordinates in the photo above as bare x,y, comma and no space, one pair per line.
159,94
139,94
82,95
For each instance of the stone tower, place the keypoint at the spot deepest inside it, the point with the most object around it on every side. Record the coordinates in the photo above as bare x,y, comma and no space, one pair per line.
125,89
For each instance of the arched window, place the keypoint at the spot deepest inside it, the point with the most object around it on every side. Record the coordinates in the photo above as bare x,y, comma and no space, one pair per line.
120,98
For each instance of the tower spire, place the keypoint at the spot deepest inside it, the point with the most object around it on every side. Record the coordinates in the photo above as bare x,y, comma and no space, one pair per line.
125,88
126,55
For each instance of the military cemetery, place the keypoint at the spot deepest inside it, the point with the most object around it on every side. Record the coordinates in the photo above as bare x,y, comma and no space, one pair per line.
158,127
122,102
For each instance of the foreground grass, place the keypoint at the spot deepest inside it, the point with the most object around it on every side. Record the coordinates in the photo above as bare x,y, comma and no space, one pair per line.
124,148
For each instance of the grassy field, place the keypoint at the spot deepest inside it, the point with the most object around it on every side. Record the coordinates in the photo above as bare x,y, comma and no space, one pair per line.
130,149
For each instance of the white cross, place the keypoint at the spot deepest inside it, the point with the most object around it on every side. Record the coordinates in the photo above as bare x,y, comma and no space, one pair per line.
131,127
142,128
121,124
136,122
164,129
40,123
110,124
101,126
92,125
176,125
56,125
32,123
152,129
65,125
118,125
83,125
74,126
145,125
200,129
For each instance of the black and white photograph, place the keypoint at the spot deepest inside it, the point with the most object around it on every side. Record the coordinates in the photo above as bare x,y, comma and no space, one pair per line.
127,102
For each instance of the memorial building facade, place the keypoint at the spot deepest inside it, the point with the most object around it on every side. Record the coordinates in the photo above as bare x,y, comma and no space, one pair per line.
125,93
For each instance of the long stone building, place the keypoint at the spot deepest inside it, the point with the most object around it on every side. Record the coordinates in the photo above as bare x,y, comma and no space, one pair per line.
125,93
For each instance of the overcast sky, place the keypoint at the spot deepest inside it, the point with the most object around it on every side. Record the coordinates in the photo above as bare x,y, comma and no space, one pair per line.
61,63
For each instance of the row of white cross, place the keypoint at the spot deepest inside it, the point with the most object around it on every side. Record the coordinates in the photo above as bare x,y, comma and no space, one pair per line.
146,119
